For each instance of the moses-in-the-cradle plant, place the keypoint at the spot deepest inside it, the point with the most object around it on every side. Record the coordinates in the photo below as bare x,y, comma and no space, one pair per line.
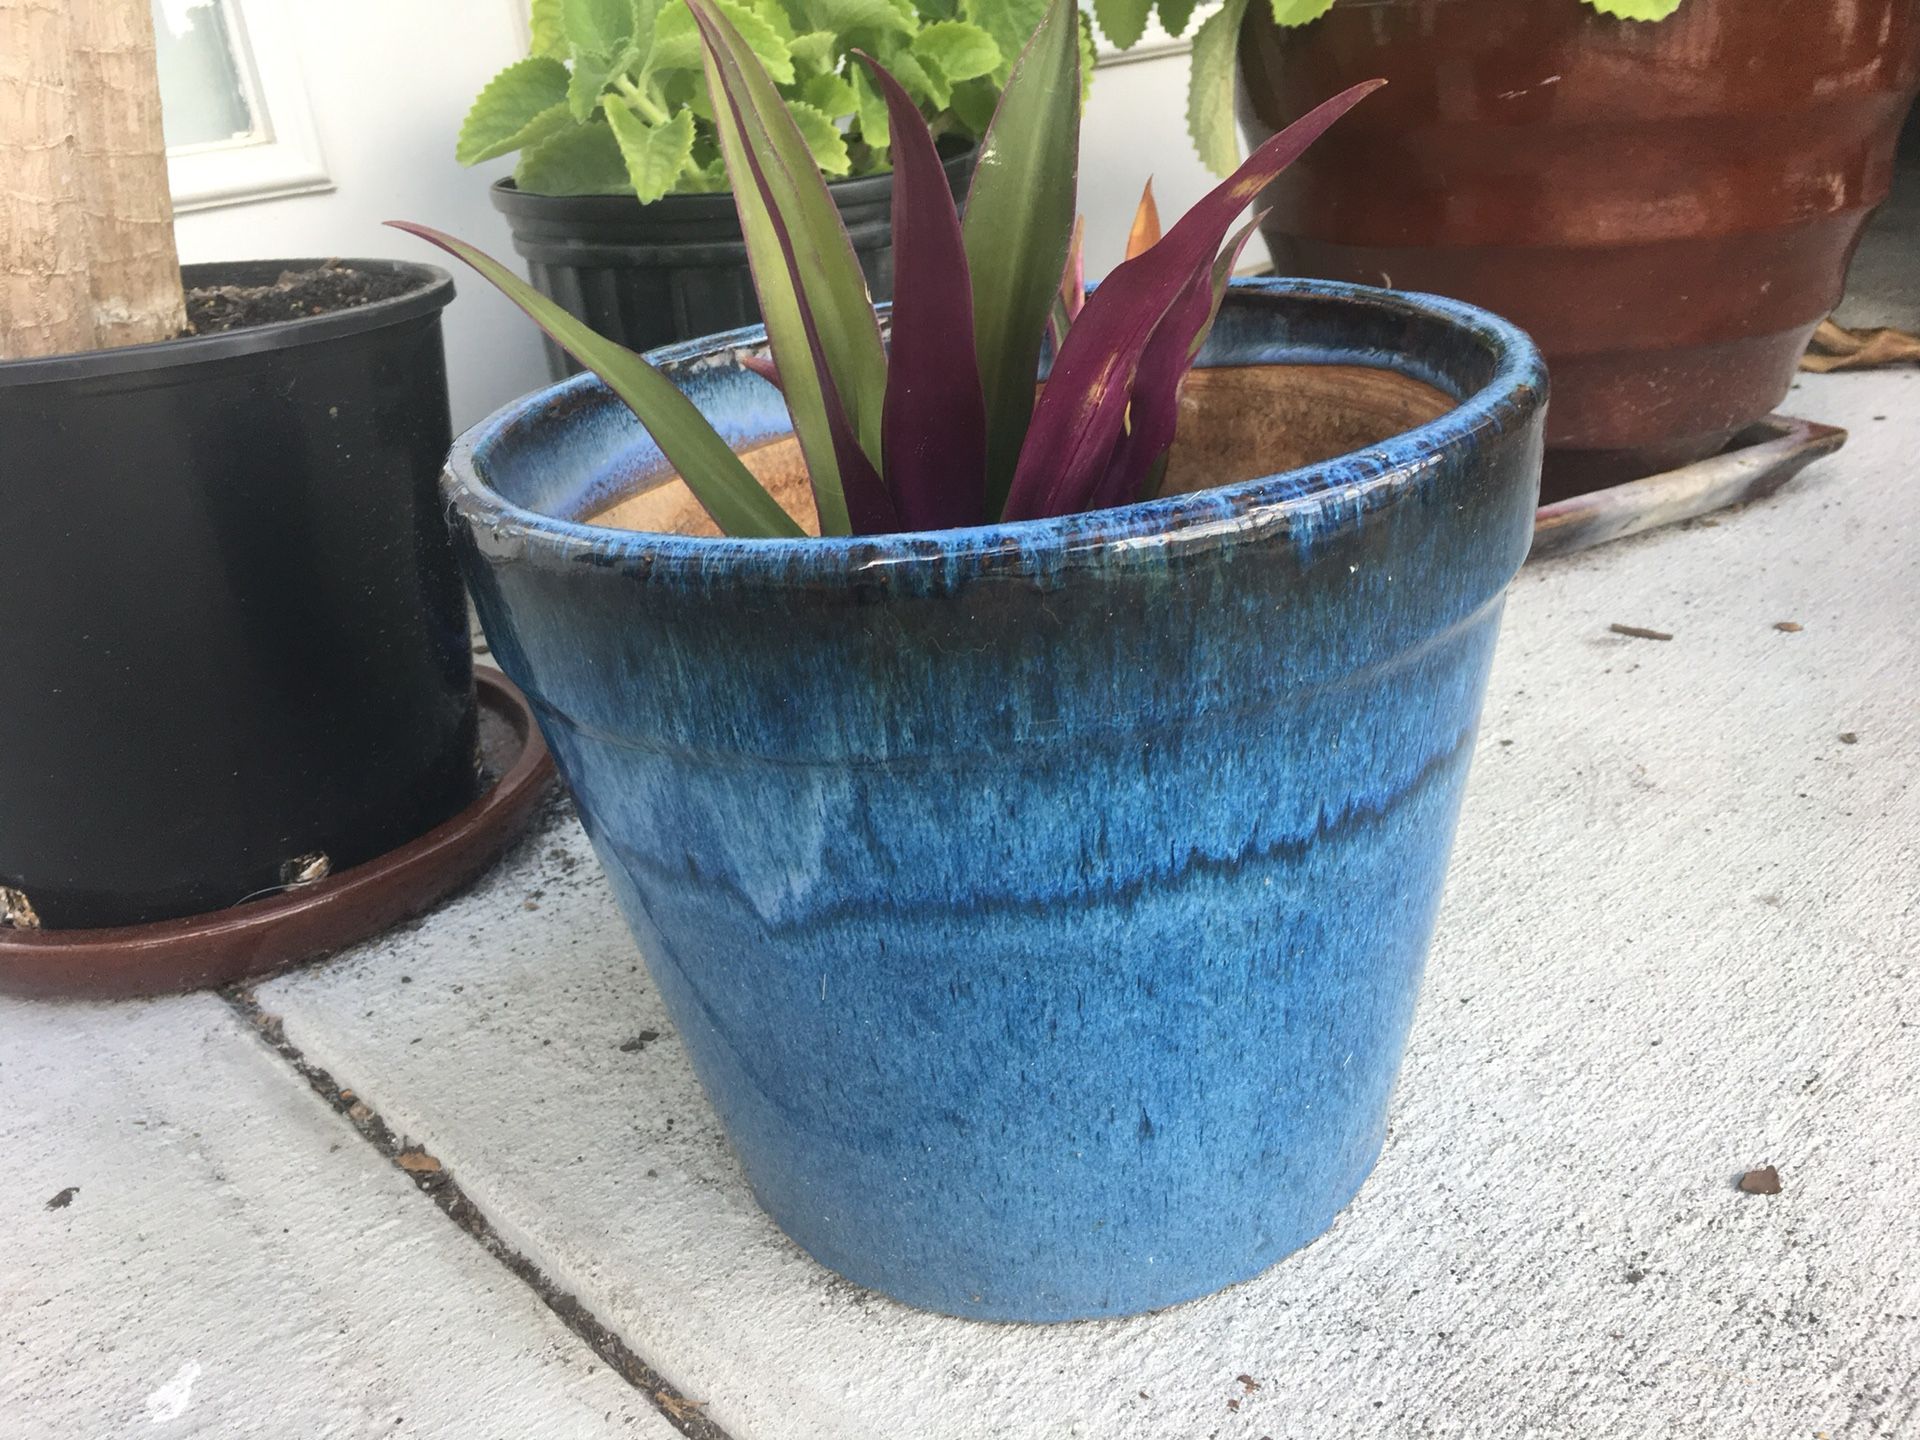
941,428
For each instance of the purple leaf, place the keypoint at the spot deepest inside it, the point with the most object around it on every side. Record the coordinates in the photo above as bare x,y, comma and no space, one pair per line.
933,429
1078,421
1153,411
763,366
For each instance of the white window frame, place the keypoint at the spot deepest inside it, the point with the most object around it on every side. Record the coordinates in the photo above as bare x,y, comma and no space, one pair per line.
283,157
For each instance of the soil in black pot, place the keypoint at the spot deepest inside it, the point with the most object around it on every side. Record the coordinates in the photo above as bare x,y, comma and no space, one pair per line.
294,296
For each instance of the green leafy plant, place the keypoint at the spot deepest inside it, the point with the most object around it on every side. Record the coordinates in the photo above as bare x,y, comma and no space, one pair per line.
614,98
1213,75
941,427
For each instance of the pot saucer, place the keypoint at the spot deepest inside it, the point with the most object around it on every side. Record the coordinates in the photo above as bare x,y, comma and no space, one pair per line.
310,920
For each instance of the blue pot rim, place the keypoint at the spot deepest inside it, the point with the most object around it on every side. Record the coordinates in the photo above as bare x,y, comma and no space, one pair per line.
1317,498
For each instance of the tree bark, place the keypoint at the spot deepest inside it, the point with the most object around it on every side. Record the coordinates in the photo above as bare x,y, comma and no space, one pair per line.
132,265
87,258
46,303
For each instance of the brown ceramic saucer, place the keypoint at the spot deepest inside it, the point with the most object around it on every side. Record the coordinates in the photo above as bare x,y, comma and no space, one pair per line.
271,934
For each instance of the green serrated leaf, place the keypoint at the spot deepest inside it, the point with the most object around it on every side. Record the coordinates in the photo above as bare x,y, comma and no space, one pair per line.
589,78
698,98
513,102
1089,57
1210,88
676,88
851,17
973,104
579,160
814,53
762,38
823,137
909,15
1299,12
962,51
544,126
596,27
871,111
676,39
549,34
706,179
1009,22
831,95
776,15
646,14
654,153
718,479
921,79
1175,15
1636,9
1122,21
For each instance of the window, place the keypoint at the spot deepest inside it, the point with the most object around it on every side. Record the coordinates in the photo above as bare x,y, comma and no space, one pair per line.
237,122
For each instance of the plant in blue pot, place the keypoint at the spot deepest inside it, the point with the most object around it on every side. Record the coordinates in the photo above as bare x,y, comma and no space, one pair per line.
1033,810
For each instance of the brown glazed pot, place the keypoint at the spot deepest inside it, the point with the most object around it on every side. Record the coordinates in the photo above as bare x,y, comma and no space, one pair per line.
1669,208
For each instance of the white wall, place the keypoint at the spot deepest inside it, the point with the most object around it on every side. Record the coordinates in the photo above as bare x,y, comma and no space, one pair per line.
1135,128
389,83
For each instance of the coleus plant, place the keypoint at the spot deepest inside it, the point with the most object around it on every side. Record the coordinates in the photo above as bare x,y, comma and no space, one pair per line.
1210,84
940,427
613,98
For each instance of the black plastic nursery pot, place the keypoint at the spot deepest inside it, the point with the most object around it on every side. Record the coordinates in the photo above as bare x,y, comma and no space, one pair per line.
236,643
652,275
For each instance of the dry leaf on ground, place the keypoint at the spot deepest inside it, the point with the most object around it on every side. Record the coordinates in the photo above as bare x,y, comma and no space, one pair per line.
1835,347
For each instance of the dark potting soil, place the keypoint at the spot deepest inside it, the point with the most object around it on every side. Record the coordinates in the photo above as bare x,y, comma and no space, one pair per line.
212,309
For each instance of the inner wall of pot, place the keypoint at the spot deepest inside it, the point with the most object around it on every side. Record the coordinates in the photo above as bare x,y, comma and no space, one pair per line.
1236,423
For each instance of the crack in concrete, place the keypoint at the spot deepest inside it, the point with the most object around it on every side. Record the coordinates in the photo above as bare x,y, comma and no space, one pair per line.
438,1184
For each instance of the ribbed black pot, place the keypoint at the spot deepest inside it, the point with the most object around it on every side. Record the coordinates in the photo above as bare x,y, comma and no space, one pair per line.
234,635
650,275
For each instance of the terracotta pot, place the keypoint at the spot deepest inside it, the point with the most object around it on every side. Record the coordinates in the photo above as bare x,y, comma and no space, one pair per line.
1668,208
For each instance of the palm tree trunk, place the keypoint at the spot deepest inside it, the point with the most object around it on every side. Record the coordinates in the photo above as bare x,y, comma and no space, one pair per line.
87,258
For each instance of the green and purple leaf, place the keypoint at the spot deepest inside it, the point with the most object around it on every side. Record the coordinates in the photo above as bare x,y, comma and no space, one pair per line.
1073,287
764,367
1082,412
1223,269
1019,219
858,487
934,427
719,481
812,292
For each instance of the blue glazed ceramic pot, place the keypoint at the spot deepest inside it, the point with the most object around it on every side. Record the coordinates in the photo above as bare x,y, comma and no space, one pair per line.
1042,905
